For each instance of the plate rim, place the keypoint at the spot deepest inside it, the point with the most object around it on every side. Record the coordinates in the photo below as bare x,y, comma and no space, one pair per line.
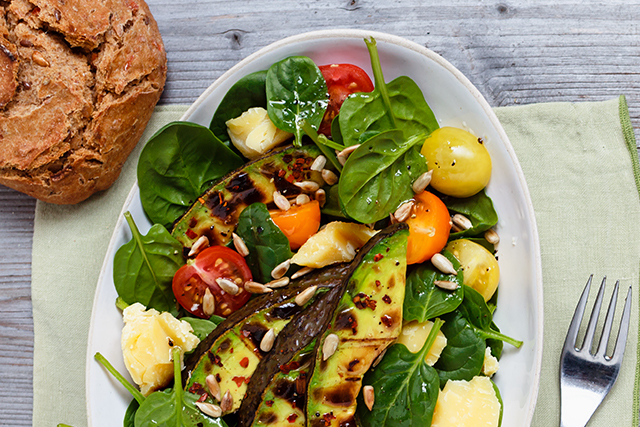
393,40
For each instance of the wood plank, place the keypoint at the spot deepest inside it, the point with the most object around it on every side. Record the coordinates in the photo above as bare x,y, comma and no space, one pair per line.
516,53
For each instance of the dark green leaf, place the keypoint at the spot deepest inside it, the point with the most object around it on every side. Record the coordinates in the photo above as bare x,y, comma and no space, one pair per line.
179,163
296,91
405,387
495,344
129,416
335,130
143,268
377,177
463,356
499,396
332,205
366,112
201,327
267,245
479,209
248,92
423,300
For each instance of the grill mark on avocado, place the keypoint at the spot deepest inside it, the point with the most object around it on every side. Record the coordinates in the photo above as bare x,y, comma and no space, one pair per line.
285,311
255,332
287,390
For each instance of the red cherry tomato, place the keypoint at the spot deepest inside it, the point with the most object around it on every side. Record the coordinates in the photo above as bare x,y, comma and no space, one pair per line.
342,80
192,280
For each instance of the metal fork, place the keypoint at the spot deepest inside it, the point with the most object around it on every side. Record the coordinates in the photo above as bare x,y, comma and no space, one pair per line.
585,377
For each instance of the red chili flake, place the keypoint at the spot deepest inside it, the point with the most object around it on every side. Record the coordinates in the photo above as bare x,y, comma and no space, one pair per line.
201,200
387,320
281,173
215,359
238,380
386,299
203,397
289,367
327,419
269,403
247,379
244,362
363,301
231,350
218,378
193,222
196,388
291,418
378,283
287,158
378,257
290,179
191,234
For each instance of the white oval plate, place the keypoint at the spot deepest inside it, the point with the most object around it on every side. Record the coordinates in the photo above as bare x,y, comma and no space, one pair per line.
455,102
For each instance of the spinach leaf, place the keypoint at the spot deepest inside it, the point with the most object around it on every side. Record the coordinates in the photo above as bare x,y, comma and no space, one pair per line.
173,407
296,91
143,268
463,356
499,396
478,314
479,209
130,414
267,245
178,164
201,327
495,344
332,205
399,104
248,92
377,176
406,388
423,300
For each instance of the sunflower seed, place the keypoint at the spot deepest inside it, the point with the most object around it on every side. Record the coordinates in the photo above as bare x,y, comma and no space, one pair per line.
329,177
256,288
321,197
302,199
379,358
281,269
208,303
214,387
341,159
209,409
492,237
302,272
404,211
227,402
446,285
303,297
462,221
441,262
279,283
318,163
369,396
423,181
392,219
228,286
200,244
347,151
267,341
308,186
281,201
240,245
330,346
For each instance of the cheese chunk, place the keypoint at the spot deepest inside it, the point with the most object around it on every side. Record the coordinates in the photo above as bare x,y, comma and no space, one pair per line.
467,404
414,335
253,133
147,340
336,242
490,365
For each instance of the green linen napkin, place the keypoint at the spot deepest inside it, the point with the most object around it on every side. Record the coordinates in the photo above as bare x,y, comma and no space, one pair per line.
581,165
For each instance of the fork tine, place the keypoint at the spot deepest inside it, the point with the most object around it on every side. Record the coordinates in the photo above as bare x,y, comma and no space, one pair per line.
574,327
593,320
608,323
621,341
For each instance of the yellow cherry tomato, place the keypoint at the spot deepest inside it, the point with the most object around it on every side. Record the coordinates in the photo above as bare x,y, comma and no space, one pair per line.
298,223
460,162
479,267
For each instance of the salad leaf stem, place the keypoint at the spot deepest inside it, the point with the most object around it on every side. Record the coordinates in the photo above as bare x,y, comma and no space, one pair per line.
121,304
122,380
431,338
491,334
177,384
378,77
324,144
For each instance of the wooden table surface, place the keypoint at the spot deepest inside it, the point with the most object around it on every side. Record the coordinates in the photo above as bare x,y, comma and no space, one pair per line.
514,52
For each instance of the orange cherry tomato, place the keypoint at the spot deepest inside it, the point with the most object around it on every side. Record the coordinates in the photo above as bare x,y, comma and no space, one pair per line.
429,227
298,223
342,80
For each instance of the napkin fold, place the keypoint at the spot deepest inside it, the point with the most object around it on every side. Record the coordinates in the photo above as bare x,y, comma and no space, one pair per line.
581,166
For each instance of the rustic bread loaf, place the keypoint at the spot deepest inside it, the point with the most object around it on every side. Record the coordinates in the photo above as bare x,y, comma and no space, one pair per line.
78,82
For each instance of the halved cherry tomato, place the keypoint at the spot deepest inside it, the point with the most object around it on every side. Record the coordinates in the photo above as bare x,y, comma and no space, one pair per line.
298,223
429,227
193,279
342,80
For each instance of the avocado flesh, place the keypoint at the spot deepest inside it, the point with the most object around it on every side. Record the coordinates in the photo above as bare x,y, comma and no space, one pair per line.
215,213
367,321
231,352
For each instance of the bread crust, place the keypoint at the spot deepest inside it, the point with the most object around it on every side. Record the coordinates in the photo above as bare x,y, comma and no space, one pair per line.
78,83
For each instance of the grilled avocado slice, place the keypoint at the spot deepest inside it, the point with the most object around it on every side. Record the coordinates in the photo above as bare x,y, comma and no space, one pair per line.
232,352
215,213
368,319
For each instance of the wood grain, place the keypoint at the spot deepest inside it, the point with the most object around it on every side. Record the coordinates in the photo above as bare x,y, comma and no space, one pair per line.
515,52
